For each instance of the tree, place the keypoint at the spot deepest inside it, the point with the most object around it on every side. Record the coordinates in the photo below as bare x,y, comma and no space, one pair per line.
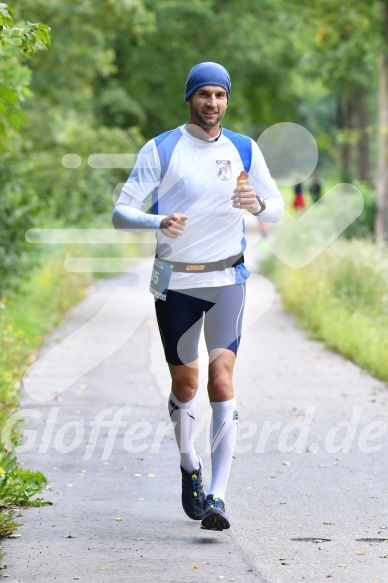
18,203
343,43
382,168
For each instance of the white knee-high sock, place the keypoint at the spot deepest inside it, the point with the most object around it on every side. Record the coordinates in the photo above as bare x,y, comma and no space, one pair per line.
223,435
183,417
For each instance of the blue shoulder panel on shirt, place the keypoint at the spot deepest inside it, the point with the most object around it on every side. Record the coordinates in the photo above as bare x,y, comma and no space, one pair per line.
244,146
166,144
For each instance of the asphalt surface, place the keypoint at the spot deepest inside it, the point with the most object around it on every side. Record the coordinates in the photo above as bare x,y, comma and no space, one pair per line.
308,492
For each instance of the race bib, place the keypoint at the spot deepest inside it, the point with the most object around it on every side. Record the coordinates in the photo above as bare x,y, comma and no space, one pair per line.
160,278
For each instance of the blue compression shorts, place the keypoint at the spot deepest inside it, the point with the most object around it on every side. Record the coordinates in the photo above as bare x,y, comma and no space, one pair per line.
181,317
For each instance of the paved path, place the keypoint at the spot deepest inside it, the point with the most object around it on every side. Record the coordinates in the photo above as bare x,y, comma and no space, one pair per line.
307,499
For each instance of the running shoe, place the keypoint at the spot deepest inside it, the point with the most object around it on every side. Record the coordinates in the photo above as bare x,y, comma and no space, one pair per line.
193,493
214,517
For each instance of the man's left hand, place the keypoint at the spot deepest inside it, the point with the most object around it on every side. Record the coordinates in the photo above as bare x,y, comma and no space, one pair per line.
244,197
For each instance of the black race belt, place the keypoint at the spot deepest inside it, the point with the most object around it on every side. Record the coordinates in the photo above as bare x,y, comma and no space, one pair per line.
181,267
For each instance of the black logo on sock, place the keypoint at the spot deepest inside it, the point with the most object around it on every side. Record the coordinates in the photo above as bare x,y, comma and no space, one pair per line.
173,406
235,415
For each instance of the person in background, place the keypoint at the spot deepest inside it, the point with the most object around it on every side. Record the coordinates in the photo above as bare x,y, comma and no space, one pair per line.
199,275
299,202
315,189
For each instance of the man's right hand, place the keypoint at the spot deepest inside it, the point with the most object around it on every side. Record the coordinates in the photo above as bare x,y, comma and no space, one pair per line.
174,225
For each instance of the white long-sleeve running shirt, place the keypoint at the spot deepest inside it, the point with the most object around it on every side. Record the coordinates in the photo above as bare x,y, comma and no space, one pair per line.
185,174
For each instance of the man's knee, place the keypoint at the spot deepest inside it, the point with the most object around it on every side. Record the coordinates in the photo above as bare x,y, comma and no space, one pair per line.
220,386
184,382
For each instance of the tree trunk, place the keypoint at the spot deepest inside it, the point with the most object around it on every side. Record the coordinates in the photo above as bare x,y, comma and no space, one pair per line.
344,123
381,226
361,115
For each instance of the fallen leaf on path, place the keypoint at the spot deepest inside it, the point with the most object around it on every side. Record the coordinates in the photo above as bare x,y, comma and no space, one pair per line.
118,519
195,567
150,475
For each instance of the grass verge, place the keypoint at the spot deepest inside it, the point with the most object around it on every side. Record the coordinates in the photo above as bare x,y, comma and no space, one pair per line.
342,298
25,318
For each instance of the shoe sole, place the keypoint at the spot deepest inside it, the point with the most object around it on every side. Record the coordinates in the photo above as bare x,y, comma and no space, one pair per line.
190,514
215,521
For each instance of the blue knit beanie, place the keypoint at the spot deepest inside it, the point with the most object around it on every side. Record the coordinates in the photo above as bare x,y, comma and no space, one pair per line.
207,74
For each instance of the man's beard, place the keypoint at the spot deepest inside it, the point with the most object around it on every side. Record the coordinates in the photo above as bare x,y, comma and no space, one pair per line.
204,122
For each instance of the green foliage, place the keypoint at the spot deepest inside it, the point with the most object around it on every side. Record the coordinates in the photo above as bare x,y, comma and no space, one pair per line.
17,488
19,206
16,42
345,39
29,37
363,226
19,203
342,298
152,68
36,188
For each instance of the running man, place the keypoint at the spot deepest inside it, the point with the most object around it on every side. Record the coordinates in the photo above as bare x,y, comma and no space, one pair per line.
199,275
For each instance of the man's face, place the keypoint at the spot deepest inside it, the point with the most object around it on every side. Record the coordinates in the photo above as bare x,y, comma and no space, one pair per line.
207,106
